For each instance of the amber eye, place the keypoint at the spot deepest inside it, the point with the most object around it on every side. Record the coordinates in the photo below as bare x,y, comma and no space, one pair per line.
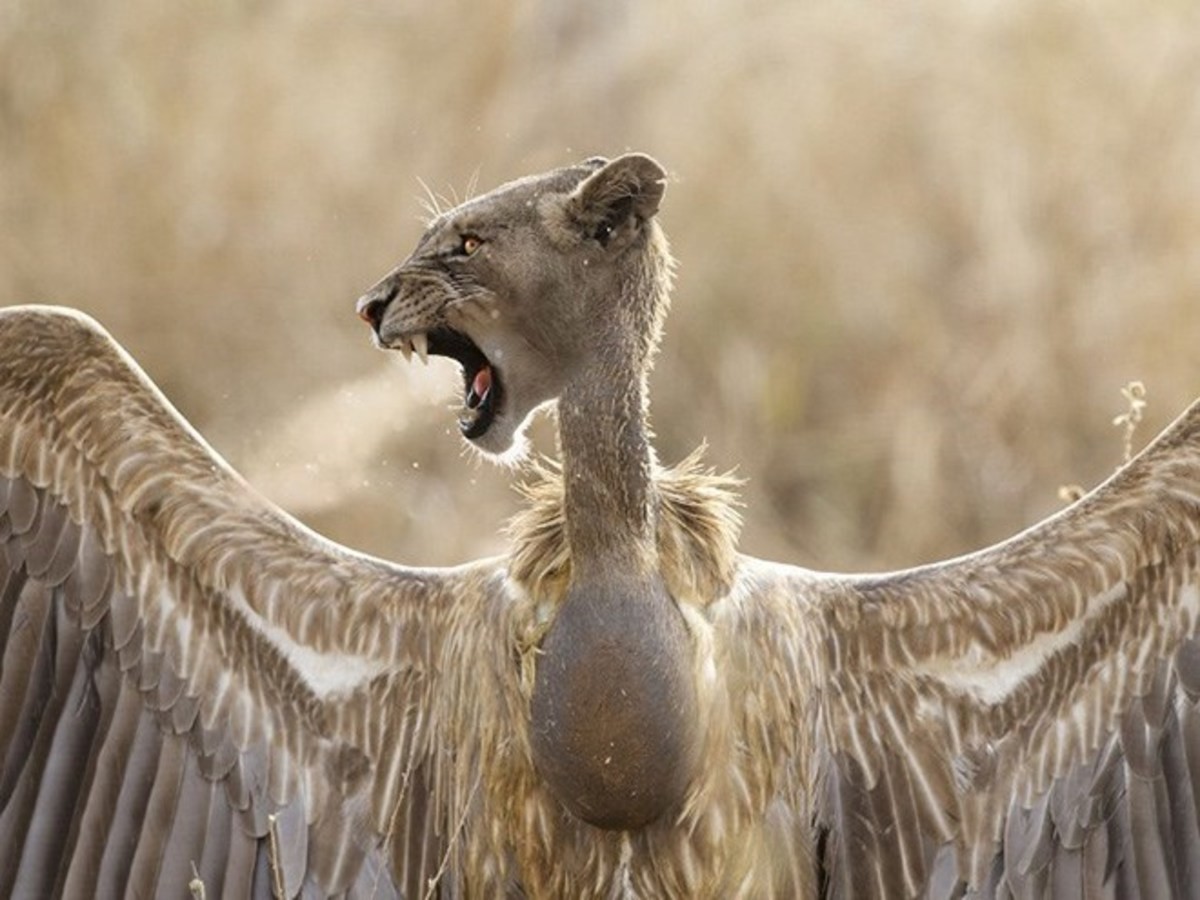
470,244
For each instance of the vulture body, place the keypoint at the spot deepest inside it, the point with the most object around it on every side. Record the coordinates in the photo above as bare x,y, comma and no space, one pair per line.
198,692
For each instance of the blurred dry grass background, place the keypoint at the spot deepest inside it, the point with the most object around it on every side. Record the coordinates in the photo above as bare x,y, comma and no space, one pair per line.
922,244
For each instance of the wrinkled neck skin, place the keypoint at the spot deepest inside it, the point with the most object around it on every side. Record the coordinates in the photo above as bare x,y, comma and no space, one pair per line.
614,709
603,432
607,462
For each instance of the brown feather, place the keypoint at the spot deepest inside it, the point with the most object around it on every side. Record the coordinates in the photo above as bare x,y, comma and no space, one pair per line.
1066,868
1095,875
698,525
24,680
289,849
119,574
22,505
1149,858
302,717
41,541
90,580
185,836
219,831
237,878
134,774
52,828
122,710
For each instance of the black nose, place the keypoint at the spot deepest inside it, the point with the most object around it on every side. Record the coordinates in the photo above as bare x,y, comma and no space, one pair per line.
372,305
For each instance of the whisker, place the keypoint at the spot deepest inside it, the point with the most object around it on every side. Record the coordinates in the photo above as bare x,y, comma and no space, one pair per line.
430,201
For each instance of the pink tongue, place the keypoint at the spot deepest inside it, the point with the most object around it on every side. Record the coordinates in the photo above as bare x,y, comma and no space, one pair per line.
482,383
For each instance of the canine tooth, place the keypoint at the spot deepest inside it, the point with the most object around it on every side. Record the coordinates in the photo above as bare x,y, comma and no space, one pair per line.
420,343
406,350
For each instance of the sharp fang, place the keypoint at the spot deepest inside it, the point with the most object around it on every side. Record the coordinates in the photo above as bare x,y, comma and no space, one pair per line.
420,343
406,349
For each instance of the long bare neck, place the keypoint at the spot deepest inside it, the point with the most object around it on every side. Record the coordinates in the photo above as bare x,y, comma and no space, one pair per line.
607,465
608,460
613,711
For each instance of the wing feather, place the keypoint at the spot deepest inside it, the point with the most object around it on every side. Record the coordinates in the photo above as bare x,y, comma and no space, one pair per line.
192,683
111,740
1024,719
133,774
63,775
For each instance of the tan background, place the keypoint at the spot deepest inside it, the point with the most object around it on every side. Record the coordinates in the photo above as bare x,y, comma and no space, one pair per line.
922,244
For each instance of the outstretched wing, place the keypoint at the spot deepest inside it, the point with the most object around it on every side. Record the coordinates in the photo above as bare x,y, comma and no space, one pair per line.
193,687
1019,721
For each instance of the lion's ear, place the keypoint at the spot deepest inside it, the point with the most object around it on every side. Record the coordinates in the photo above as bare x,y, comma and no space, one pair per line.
617,200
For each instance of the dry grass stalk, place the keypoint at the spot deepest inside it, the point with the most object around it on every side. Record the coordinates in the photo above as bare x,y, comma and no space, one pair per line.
1135,395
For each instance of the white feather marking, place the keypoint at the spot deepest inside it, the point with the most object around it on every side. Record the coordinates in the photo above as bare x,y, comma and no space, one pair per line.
327,674
995,683
623,867
867,761
215,697
183,635
1189,604
919,778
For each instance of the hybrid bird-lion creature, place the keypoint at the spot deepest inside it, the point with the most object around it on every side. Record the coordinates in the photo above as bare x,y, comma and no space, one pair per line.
195,689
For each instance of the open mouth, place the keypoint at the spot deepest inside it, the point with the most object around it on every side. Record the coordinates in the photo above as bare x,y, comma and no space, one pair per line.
482,389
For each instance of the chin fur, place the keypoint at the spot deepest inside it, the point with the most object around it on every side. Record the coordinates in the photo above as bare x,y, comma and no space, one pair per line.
516,451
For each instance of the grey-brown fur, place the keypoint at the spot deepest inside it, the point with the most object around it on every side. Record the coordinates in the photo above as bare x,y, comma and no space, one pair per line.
287,715
565,295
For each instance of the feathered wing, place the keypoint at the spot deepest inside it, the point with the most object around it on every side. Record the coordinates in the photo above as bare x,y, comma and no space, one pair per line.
1019,721
192,685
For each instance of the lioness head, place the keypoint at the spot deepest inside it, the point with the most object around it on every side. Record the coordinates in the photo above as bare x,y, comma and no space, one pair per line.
524,287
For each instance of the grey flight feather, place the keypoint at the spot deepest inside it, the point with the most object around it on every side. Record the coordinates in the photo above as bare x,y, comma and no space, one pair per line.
190,680
187,673
1030,709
